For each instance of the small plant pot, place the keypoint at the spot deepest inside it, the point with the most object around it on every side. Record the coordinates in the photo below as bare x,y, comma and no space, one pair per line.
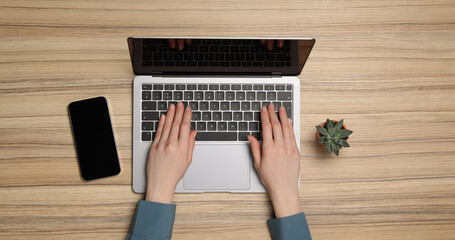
318,135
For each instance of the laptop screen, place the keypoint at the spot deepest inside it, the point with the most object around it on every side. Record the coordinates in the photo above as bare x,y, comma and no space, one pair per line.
219,56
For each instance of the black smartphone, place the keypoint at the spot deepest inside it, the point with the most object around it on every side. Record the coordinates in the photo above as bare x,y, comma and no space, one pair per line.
94,138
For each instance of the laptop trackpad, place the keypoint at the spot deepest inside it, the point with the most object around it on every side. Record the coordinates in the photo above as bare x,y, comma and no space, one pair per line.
219,167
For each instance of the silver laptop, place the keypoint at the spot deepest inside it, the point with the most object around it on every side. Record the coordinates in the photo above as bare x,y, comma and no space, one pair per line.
225,82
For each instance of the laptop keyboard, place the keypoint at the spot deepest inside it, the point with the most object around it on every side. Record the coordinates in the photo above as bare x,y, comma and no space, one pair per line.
215,53
220,112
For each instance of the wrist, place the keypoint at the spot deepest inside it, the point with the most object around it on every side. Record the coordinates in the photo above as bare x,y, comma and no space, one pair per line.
285,204
158,195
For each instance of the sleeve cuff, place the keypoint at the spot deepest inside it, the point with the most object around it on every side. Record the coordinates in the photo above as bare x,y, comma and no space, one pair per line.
291,227
153,220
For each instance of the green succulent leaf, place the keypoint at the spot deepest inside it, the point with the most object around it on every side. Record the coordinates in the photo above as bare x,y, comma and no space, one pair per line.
322,139
328,124
336,150
339,125
328,147
344,133
344,143
322,130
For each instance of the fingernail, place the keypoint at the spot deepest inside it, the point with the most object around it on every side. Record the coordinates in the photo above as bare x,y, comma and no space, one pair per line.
188,109
264,109
281,108
180,46
162,116
249,138
290,123
171,107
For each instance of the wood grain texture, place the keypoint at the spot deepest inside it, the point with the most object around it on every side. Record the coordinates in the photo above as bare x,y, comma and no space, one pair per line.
386,67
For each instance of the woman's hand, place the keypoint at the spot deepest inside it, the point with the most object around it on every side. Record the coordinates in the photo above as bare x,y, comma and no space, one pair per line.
278,163
170,154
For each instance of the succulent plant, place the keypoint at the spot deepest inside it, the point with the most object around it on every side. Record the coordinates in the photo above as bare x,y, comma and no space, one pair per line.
333,136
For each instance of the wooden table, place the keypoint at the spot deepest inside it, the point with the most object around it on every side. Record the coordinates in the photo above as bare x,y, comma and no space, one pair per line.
386,67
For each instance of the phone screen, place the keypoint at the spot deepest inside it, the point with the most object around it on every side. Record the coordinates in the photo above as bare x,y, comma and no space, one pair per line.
94,138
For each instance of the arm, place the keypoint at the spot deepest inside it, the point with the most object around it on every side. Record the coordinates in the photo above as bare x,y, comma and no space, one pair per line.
169,157
278,166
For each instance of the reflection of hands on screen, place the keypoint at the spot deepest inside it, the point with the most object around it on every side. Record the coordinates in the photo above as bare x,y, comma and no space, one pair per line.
269,44
180,43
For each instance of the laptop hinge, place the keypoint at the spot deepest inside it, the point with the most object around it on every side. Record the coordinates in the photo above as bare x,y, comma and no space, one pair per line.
276,75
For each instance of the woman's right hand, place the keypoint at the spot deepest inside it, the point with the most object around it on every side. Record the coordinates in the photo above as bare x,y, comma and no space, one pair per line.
278,162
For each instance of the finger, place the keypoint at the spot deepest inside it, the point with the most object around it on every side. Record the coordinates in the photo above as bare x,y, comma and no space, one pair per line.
255,151
280,43
276,126
185,126
269,45
174,134
266,126
262,41
180,44
285,128
191,143
188,41
168,124
159,130
171,43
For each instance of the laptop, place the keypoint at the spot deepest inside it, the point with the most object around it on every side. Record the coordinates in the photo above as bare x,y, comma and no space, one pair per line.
225,82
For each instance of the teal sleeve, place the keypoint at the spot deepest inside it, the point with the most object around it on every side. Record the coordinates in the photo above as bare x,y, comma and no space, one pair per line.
152,221
292,227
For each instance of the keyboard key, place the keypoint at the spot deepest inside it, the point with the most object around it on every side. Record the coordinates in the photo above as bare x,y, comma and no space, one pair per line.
222,126
147,126
225,87
193,105
237,116
269,87
224,106
277,105
192,126
240,96
250,96
216,136
261,96
178,95
232,126
158,87
214,106
214,87
206,116
258,87
236,87
149,105
167,95
271,96
245,106
243,126
230,96
254,126
180,87
219,95
211,126
146,136
188,95
216,116
146,95
150,116
191,87
247,87
198,95
227,116
147,87
156,95
202,87
288,87
196,116
248,116
256,106
280,87
209,95
203,106
284,96
235,106
257,116
201,126
243,136
162,105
